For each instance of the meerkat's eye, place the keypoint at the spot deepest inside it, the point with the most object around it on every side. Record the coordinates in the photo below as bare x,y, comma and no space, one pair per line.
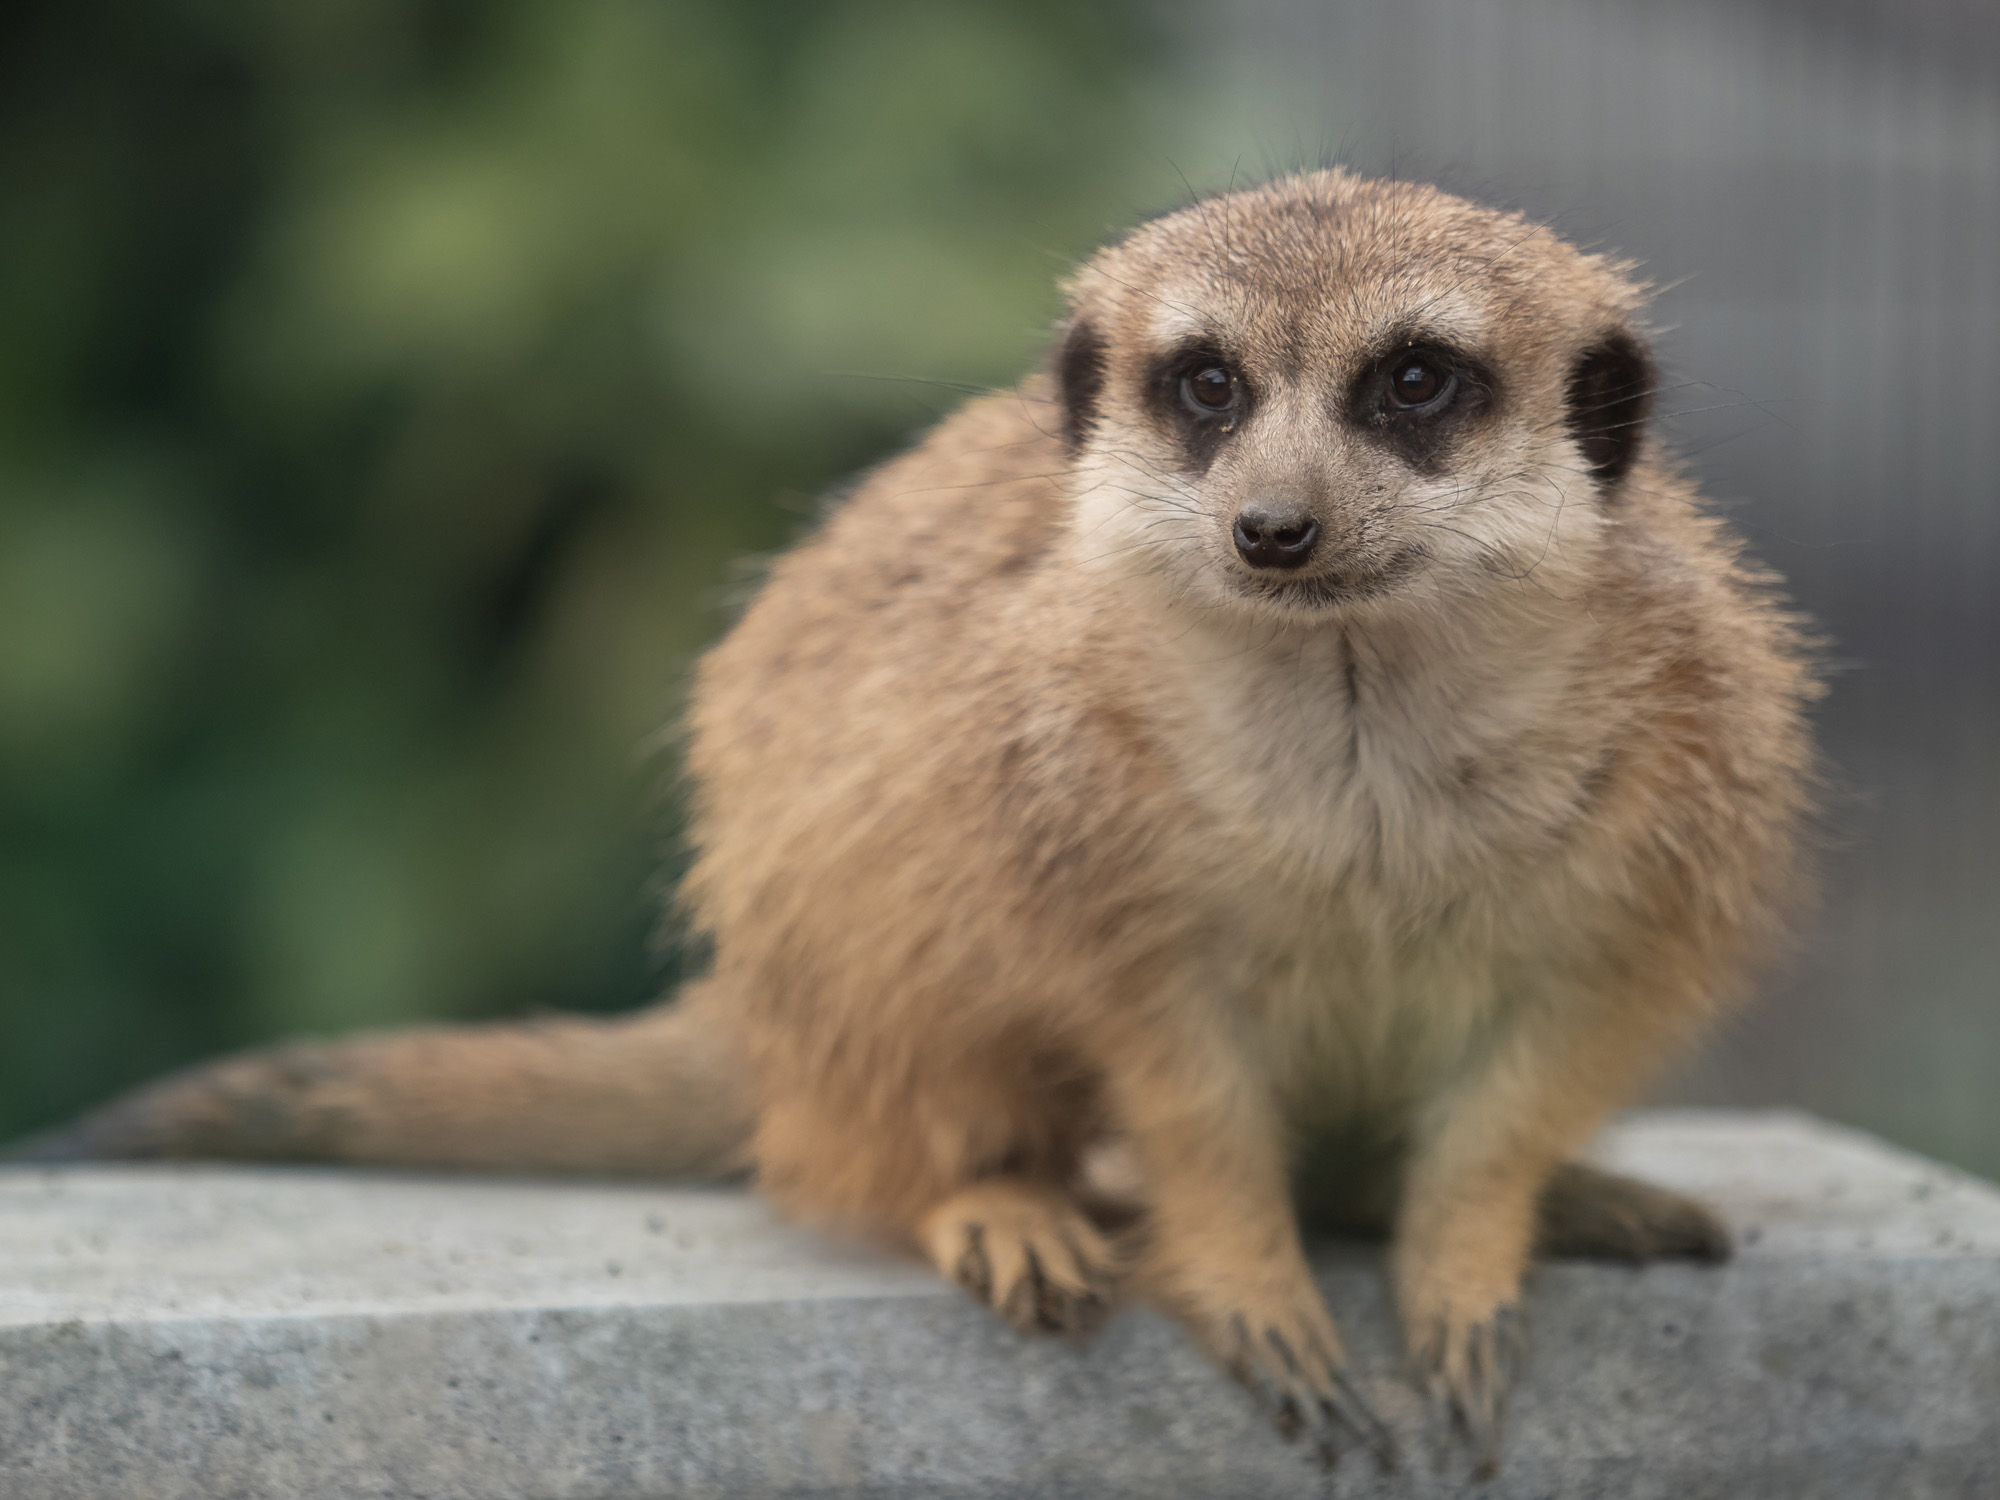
1419,396
1210,389
1416,380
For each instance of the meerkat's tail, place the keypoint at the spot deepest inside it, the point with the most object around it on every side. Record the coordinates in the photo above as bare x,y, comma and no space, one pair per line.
660,1094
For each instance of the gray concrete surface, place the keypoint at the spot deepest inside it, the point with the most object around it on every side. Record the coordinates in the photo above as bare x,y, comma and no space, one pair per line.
216,1332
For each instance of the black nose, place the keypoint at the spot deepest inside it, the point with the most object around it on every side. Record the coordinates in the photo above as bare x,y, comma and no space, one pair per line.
1275,539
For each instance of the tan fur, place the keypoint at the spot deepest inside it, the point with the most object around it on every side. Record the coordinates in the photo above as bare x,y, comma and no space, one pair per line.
1031,828
657,1094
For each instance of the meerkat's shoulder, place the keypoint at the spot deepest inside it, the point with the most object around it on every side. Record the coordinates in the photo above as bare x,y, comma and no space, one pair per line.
899,589
980,492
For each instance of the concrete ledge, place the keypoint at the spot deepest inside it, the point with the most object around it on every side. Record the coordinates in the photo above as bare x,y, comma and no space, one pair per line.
211,1332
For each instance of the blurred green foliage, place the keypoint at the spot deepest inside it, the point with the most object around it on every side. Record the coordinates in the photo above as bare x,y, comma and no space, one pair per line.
386,387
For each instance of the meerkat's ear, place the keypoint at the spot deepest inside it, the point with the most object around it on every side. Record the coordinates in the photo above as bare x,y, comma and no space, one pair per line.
1079,374
1610,397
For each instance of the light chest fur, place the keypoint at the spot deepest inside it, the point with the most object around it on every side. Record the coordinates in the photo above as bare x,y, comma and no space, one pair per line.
1409,788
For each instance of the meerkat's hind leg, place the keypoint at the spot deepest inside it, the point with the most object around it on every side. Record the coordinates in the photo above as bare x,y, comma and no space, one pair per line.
1025,1250
1590,1214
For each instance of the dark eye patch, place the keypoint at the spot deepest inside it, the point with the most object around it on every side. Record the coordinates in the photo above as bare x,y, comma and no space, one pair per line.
1201,396
1418,396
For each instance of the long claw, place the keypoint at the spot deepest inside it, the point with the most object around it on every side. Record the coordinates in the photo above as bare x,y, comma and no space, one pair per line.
1290,1421
1466,1375
1351,1410
973,1271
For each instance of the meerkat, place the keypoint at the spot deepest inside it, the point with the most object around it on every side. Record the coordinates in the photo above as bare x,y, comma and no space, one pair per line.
1310,745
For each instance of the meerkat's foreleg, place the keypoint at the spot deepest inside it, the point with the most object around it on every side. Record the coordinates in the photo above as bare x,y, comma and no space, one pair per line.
1221,1242
1487,1157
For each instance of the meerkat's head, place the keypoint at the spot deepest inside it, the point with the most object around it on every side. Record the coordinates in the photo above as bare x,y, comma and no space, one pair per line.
1327,393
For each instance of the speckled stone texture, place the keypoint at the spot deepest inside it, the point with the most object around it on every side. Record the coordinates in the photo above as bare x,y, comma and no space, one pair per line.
213,1332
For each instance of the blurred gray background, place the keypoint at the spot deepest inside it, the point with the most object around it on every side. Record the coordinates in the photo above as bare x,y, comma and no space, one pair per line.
388,389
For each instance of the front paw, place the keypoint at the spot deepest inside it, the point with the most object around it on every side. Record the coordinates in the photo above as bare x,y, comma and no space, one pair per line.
1465,1358
1283,1348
